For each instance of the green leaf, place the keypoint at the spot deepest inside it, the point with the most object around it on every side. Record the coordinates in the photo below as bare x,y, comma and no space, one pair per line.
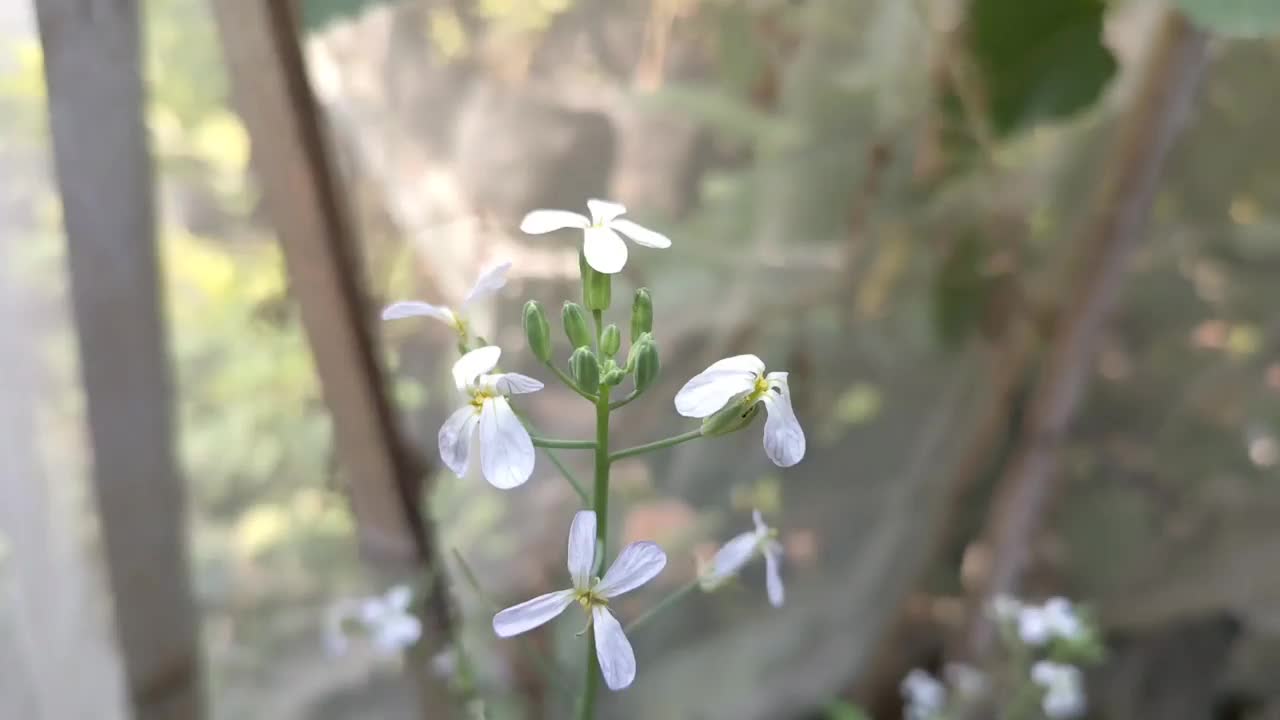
1235,18
317,14
1039,61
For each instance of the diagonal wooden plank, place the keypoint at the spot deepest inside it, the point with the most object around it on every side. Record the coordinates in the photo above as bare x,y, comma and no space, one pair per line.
291,157
93,72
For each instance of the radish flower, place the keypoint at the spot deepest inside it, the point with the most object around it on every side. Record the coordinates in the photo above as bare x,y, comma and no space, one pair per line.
601,244
1063,689
506,450
637,564
740,551
385,619
489,282
741,379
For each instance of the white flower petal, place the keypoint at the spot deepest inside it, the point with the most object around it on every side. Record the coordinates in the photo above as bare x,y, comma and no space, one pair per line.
613,650
413,308
602,211
773,577
730,559
539,222
398,597
713,388
531,613
489,282
604,249
514,383
506,451
637,564
1033,626
762,530
582,548
640,234
455,439
396,633
783,436
471,366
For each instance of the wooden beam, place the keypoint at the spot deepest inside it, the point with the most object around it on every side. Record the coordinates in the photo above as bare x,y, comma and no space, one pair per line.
303,194
93,72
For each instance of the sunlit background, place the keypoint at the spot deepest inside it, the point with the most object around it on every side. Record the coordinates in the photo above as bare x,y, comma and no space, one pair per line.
854,193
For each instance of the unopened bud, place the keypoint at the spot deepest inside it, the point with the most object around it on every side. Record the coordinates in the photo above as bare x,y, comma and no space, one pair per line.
641,314
575,325
537,331
585,369
610,340
646,363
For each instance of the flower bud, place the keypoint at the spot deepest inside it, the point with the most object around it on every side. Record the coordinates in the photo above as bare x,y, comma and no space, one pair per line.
641,314
575,325
646,363
597,287
537,331
613,376
730,418
585,369
610,340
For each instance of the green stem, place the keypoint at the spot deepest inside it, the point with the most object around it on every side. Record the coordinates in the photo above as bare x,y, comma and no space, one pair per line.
656,445
666,602
569,383
600,503
564,444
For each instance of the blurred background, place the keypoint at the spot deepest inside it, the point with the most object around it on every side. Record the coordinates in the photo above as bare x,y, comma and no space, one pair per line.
1022,261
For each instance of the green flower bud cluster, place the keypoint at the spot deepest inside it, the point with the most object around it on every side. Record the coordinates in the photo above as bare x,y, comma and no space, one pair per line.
594,361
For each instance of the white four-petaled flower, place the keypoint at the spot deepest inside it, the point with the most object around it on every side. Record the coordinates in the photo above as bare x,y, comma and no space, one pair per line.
506,450
1063,689
1040,624
489,282
925,695
741,379
603,247
385,619
637,564
739,551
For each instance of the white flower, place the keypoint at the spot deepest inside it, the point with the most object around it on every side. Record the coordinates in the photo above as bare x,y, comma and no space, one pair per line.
925,695
742,379
637,564
506,451
739,551
968,681
489,282
603,247
1064,688
1056,618
385,619
1006,608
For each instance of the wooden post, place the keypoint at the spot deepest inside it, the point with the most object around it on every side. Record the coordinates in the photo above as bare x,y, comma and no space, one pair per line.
93,72
303,195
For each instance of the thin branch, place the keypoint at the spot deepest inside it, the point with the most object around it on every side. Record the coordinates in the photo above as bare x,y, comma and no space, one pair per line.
1123,207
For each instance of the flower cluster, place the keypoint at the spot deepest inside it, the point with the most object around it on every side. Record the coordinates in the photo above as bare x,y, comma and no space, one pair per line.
487,432
384,620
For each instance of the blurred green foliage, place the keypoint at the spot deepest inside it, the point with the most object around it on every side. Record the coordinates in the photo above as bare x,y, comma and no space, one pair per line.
1235,18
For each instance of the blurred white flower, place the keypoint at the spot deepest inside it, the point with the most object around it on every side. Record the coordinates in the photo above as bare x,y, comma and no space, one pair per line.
603,247
637,564
966,680
490,281
742,379
384,619
1063,689
1056,618
506,451
744,548
1005,607
925,696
